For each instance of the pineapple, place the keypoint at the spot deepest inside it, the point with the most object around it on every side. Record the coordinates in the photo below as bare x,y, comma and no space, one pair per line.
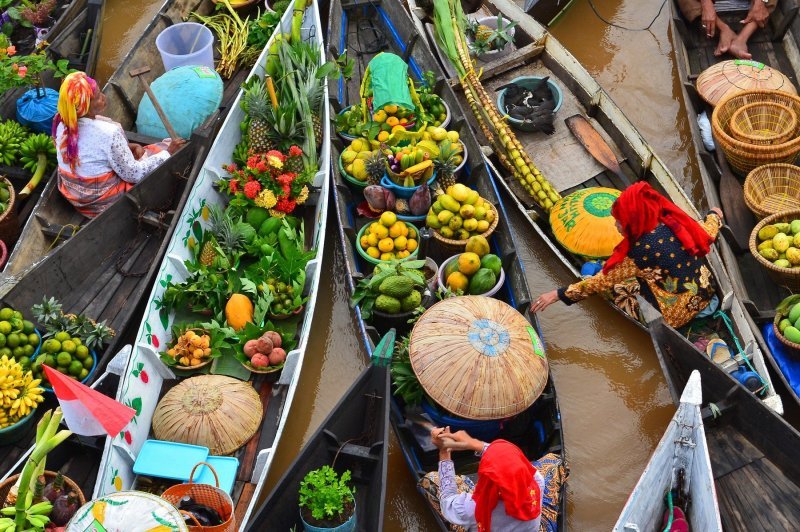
256,104
445,165
283,131
483,33
225,236
376,167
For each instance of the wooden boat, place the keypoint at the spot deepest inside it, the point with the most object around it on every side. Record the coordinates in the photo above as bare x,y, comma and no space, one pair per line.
54,220
570,167
679,462
389,18
776,46
755,454
354,437
546,12
154,332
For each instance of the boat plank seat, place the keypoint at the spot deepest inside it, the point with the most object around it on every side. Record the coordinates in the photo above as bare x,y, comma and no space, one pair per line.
761,289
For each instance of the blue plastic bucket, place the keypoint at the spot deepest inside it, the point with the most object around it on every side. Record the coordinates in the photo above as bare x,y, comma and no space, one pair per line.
347,526
186,43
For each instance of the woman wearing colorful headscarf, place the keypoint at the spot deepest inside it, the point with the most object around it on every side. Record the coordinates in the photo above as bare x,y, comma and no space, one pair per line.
96,164
661,257
507,495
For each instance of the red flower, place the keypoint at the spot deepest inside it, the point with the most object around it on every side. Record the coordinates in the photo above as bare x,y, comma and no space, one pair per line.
143,375
252,161
251,189
261,166
276,154
230,168
286,179
233,186
286,205
294,151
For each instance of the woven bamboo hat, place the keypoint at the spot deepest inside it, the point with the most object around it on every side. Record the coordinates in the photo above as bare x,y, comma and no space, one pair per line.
583,224
214,411
478,358
726,78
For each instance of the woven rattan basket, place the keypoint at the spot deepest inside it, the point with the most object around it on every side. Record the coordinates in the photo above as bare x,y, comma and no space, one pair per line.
69,485
211,496
776,328
788,277
458,246
743,156
9,222
765,124
772,189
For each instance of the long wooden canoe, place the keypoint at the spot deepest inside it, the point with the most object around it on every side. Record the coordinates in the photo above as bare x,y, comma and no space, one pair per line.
390,19
569,167
53,219
755,454
679,462
776,46
154,331
354,437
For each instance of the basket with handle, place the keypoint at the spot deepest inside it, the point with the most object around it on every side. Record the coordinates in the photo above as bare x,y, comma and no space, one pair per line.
788,277
211,496
457,246
772,188
745,156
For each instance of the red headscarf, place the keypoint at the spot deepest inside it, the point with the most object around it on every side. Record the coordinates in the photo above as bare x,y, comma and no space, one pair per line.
639,209
505,474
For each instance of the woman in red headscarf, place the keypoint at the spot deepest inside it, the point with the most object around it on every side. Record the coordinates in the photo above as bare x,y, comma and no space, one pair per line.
96,164
663,247
508,494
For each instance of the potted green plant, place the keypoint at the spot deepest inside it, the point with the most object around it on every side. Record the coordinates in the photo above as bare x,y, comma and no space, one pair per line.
490,37
327,501
38,14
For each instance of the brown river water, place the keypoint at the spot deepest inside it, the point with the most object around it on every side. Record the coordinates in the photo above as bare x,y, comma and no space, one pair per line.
614,401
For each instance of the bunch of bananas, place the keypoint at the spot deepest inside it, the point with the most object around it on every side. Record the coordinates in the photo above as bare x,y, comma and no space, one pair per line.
20,393
36,516
12,135
35,149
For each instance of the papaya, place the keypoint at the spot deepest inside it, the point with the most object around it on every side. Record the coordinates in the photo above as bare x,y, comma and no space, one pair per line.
483,281
492,262
451,267
238,311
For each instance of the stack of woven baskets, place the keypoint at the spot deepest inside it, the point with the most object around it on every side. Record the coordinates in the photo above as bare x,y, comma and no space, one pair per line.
758,127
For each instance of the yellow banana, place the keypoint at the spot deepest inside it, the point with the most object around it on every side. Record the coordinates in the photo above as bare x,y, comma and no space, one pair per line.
421,167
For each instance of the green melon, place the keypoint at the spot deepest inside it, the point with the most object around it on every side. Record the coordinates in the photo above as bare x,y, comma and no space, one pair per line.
483,281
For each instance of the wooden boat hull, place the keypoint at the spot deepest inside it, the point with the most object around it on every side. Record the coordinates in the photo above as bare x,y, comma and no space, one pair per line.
154,330
393,21
539,53
79,43
755,454
778,47
683,451
354,437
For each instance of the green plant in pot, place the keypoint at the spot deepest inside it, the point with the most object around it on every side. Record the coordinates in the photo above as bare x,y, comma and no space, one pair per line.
327,501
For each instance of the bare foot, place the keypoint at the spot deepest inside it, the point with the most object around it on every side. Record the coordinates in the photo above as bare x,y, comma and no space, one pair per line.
726,38
738,49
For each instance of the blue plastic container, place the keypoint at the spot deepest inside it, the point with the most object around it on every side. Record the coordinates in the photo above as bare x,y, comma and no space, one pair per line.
84,381
528,81
348,526
482,430
400,191
16,431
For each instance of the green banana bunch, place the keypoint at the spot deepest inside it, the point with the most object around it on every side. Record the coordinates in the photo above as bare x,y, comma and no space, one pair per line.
35,145
12,135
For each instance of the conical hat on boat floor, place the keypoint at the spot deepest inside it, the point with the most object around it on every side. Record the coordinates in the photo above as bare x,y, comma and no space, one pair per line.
478,358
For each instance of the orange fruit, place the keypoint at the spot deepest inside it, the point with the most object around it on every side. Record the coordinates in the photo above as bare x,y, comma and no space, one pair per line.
388,219
392,121
373,252
387,256
411,245
400,243
397,128
387,245
398,229
364,241
458,281
383,136
381,231
469,263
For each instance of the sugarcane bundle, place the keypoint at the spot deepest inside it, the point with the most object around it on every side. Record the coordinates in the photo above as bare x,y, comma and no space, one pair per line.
450,26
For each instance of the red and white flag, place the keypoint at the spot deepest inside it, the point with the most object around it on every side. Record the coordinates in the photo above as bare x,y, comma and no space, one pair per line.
86,411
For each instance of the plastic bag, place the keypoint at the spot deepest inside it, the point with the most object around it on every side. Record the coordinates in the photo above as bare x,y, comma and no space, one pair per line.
36,109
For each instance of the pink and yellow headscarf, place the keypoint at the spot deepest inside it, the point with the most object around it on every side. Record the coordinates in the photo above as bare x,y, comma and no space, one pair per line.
74,99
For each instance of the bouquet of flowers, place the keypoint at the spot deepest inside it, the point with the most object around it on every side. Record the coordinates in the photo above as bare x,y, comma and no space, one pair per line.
272,180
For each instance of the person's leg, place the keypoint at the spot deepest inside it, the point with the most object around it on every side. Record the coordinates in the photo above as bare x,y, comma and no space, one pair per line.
726,38
738,47
690,9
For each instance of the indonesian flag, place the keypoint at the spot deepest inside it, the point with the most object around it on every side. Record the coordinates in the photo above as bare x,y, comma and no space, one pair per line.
86,411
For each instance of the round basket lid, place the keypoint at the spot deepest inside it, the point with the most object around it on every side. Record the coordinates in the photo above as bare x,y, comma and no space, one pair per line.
214,411
116,512
736,75
583,224
478,358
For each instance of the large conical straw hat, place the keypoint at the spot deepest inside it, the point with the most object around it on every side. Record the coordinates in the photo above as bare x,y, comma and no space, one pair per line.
214,411
478,358
726,78
583,224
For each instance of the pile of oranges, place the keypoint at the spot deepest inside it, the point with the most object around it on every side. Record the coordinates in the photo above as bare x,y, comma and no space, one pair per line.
389,238
191,349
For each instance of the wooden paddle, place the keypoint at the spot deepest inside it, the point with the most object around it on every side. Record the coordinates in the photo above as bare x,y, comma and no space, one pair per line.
595,144
137,73
731,195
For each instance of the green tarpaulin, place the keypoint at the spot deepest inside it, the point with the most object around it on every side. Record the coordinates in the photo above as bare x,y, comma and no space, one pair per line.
389,78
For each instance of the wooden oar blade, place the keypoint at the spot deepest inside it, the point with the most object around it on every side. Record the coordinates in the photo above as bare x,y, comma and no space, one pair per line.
594,143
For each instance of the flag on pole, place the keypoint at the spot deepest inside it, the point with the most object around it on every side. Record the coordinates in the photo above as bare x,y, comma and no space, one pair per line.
87,411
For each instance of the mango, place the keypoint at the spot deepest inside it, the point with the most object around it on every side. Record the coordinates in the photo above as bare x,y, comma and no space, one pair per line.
780,242
795,240
455,222
767,232
470,224
794,313
436,207
460,192
783,263
450,203
792,334
783,324
783,227
348,156
793,255
794,227
478,244
467,211
767,244
431,220
445,216
360,171
480,214
446,232
769,254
